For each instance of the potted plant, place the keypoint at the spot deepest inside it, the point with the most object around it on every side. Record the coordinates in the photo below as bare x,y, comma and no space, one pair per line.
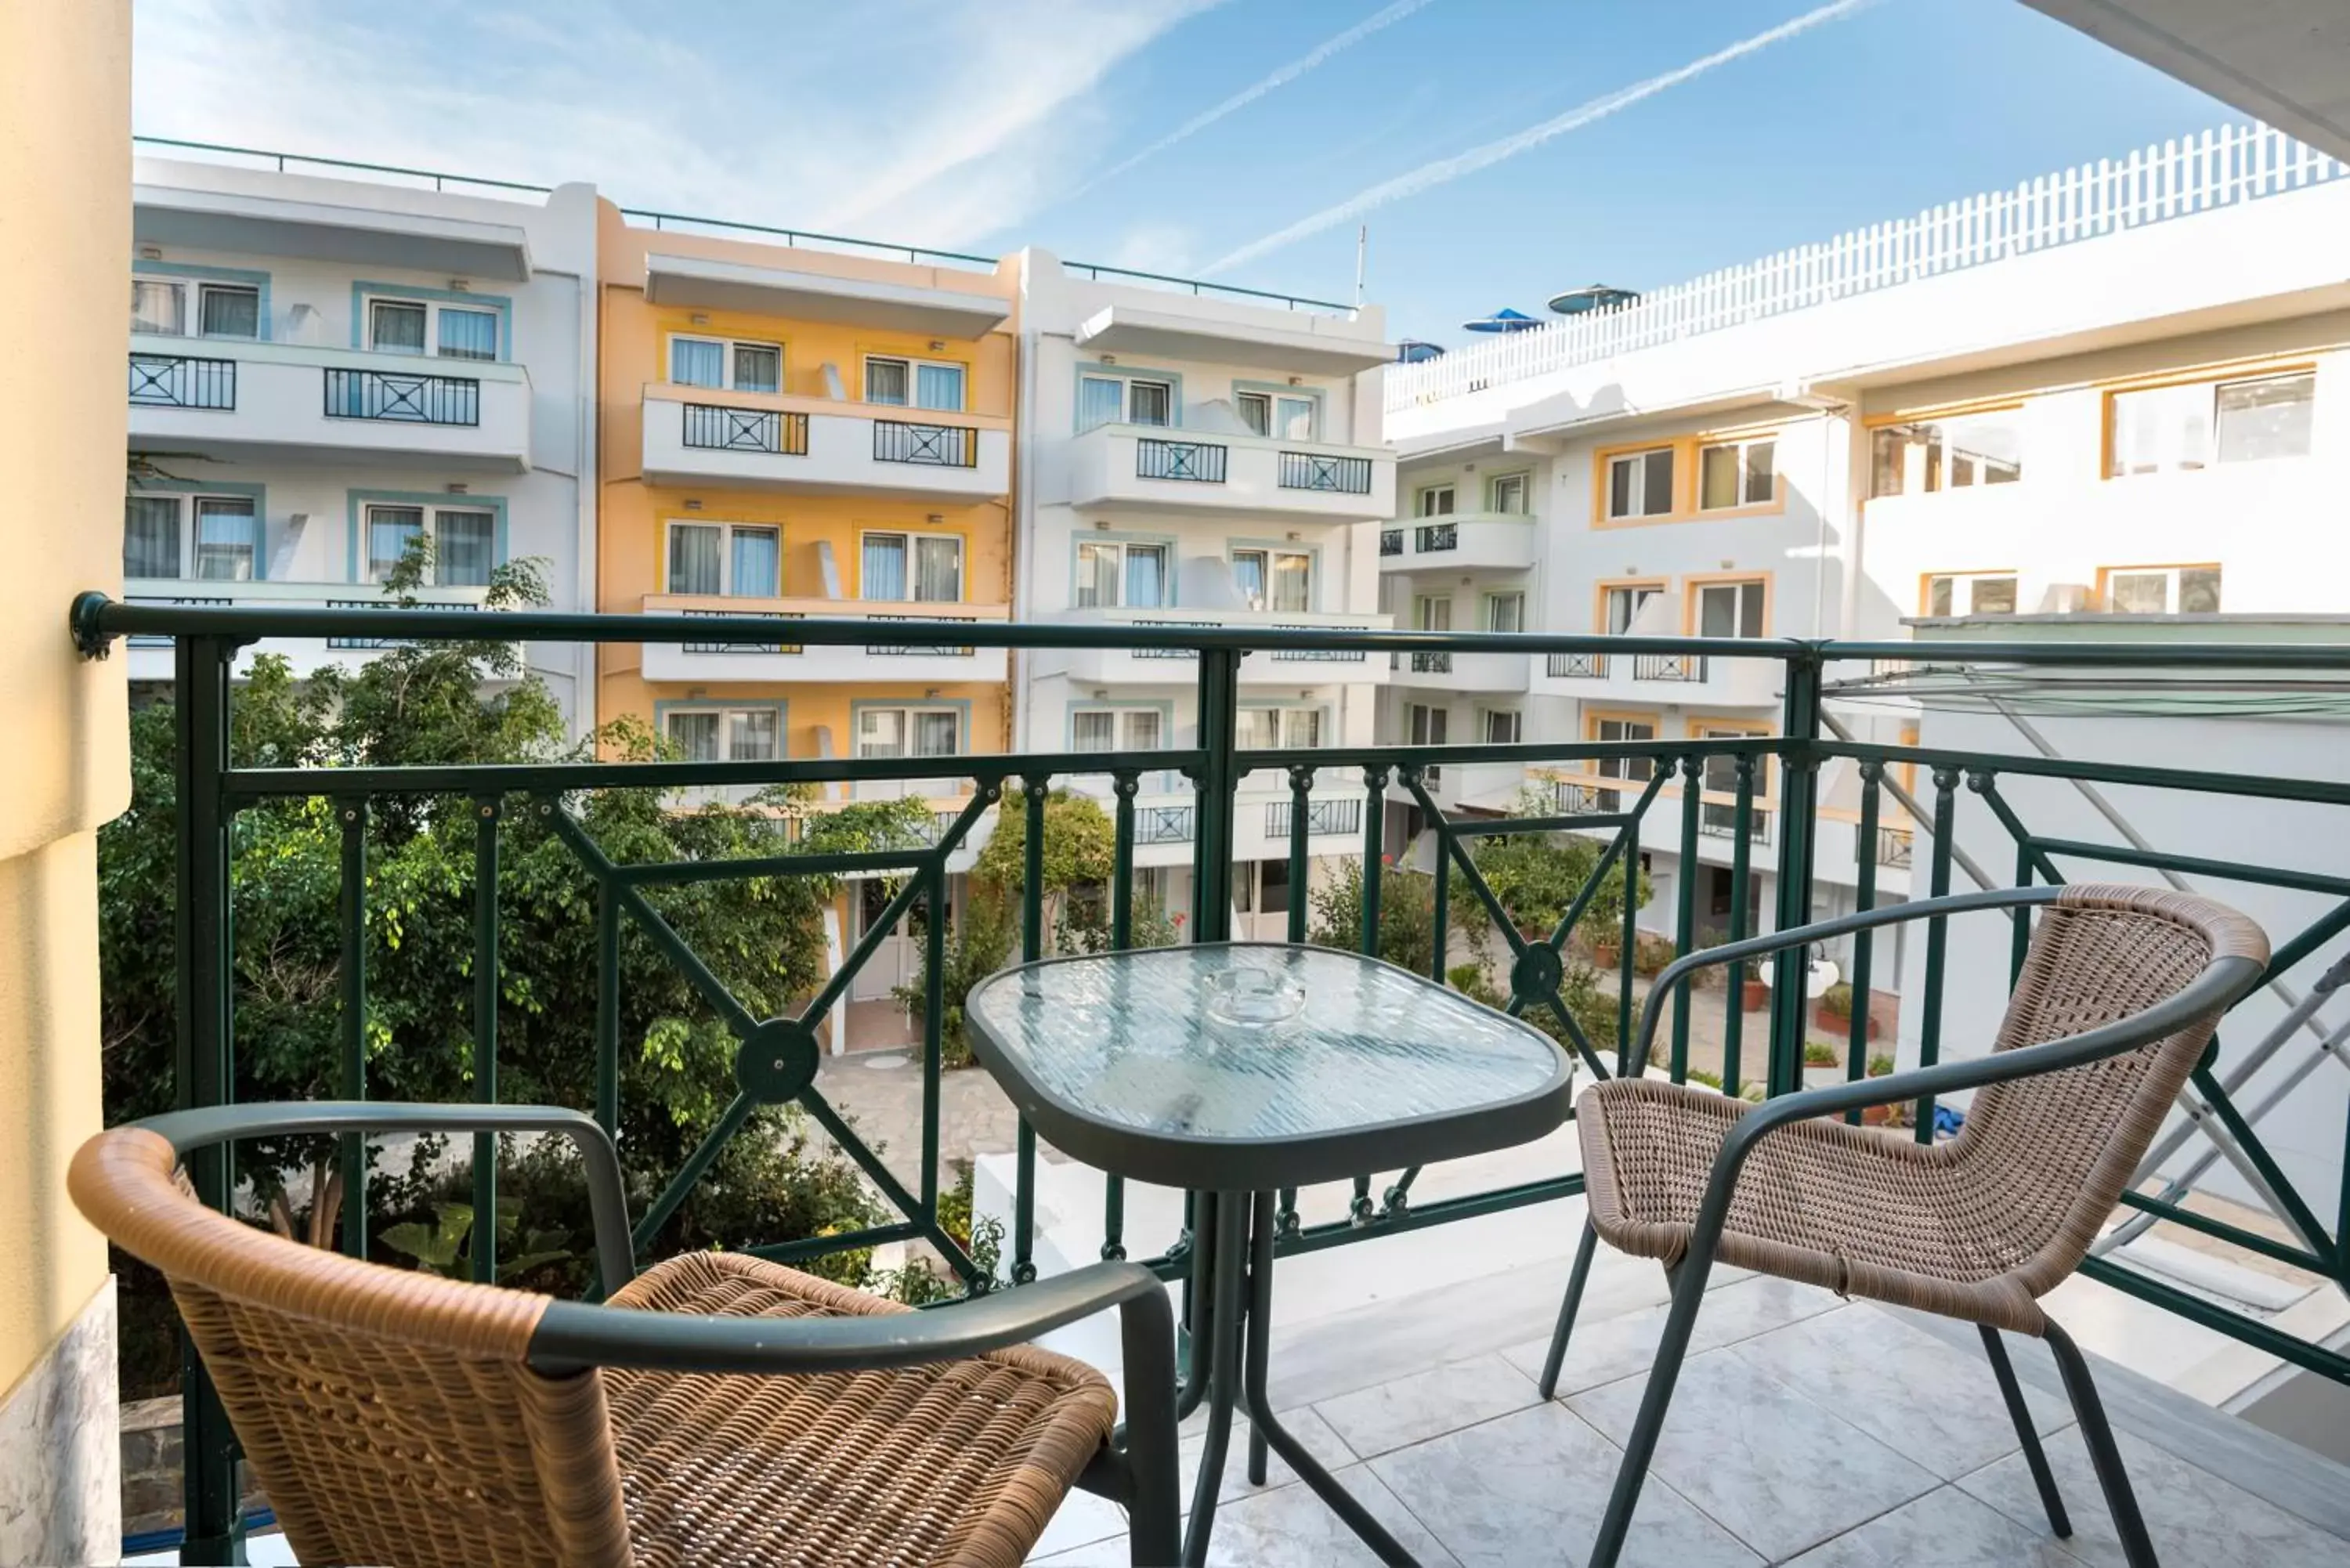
1651,954
1821,1066
1753,992
1833,1012
1884,1116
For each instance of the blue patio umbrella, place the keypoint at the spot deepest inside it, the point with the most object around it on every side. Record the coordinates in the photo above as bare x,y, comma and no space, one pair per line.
1503,320
1413,351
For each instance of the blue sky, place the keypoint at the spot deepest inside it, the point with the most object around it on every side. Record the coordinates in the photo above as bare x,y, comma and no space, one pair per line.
984,125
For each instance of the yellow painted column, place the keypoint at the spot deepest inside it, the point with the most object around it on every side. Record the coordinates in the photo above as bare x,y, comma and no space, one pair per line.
65,258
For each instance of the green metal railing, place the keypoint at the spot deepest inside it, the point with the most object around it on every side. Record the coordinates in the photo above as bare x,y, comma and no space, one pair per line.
777,1057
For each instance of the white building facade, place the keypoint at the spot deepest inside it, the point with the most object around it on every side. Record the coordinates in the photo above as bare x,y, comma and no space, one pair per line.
321,370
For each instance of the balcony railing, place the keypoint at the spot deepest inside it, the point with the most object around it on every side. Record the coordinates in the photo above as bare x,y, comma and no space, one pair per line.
721,429
1432,661
1390,541
939,446
181,382
1986,794
1314,471
1202,461
1323,817
912,649
356,643
1429,538
1667,667
706,647
1571,666
1894,846
402,398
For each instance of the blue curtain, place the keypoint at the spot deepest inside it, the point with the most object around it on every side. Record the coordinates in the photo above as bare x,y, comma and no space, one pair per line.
939,387
1100,401
468,334
389,530
885,566
758,563
696,364
1146,576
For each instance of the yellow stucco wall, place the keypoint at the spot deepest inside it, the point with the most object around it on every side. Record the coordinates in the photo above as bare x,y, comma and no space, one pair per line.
633,338
65,167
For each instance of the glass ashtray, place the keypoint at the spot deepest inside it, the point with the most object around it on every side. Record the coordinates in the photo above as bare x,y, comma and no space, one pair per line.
1253,998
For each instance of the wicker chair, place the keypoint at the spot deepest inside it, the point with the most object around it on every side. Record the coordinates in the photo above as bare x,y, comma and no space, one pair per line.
2118,997
717,1409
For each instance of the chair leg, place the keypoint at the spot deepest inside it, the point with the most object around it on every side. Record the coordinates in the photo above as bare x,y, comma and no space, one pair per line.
1567,1311
2138,1547
1689,1293
2041,1476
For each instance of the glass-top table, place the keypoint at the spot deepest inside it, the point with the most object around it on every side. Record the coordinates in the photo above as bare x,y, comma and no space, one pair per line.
1236,1069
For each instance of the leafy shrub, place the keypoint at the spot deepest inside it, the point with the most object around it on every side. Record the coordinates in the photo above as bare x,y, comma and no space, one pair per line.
1819,1054
1836,1001
1879,1065
1652,954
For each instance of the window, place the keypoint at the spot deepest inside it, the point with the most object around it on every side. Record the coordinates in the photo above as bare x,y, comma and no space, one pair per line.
1426,723
1503,729
1112,573
1433,501
914,383
220,536
1275,579
1622,605
738,559
1263,729
2176,429
1736,474
445,330
463,543
1121,400
725,363
908,731
1729,609
1922,456
1505,612
1273,414
2162,590
1606,730
727,734
1116,729
936,567
1506,494
222,309
1720,777
1640,483
1970,593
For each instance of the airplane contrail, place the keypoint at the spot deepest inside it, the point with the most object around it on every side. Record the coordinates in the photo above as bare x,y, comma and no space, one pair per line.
1444,170
1249,95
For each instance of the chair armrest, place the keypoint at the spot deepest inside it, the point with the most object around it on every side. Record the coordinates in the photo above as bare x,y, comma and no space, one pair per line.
607,1198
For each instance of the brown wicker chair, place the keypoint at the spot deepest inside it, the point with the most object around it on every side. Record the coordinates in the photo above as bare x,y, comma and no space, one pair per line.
2117,999
718,1409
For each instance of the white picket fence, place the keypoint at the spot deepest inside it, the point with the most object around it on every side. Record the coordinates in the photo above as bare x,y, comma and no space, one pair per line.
2221,168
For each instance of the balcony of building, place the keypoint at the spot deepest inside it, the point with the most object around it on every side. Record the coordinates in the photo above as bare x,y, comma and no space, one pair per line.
1710,680
1460,542
1444,669
232,399
1283,662
152,658
886,659
1158,468
774,440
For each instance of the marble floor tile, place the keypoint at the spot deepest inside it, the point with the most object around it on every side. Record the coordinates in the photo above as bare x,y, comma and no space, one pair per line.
1288,1528
1082,1519
1779,1471
1944,1529
1603,1351
1441,1399
1528,1490
1306,1425
1902,1386
2195,1518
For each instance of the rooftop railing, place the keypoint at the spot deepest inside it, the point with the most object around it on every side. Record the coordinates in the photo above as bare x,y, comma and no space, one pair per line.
1655,806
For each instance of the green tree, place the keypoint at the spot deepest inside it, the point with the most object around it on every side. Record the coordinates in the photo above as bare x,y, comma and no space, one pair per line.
1536,876
1080,849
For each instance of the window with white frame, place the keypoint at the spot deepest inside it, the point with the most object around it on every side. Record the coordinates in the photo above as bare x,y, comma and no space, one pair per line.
1505,612
1270,727
216,538
718,734
1124,400
1117,729
445,330
1729,609
1970,593
2162,590
725,363
1737,473
462,543
904,383
740,560
1506,494
161,306
1278,414
1919,457
1432,612
1274,579
1433,501
910,731
2175,428
1426,723
1503,727
1116,573
1640,483
921,567
1624,728
1622,603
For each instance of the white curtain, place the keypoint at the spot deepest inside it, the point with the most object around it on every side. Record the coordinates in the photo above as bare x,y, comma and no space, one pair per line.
695,735
151,536
885,382
1296,419
693,559
230,313
758,563
156,306
1096,576
1100,401
756,732
934,734
1093,731
1248,577
396,327
1293,583
758,367
937,570
881,732
884,576
464,544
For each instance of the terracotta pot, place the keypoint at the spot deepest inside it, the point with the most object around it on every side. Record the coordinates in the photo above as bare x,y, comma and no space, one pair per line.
1879,1116
1840,1027
1754,995
1606,956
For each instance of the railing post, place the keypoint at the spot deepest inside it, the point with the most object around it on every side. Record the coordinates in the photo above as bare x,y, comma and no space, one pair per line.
484,1243
1219,729
205,1073
1799,764
354,816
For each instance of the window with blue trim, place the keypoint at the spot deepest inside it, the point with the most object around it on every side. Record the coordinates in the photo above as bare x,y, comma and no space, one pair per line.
726,735
443,329
463,543
215,538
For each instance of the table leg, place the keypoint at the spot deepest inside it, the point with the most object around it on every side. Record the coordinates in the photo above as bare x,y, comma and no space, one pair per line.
1262,1422
1223,1285
1194,1333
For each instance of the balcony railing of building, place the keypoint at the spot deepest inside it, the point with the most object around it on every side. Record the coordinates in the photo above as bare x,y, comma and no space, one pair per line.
1323,817
1202,461
348,643
1571,666
938,446
1667,667
937,650
1894,847
1429,538
407,398
1432,661
2223,168
1994,790
181,382
1315,471
706,646
1287,655
1390,541
719,429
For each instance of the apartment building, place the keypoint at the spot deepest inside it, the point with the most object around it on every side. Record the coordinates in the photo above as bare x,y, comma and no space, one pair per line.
2115,391
1198,461
322,371
791,432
